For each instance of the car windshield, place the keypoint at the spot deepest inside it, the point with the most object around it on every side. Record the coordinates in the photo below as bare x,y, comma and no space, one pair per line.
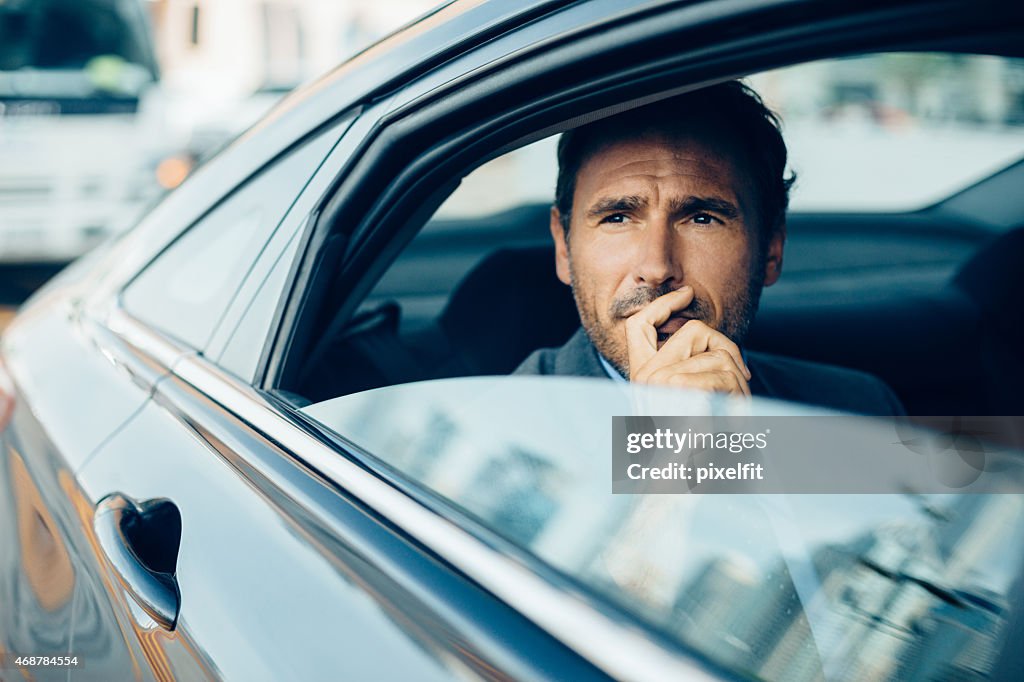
912,585
74,48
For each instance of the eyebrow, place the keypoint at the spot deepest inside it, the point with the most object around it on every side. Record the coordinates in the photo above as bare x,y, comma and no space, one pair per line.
684,206
691,205
612,204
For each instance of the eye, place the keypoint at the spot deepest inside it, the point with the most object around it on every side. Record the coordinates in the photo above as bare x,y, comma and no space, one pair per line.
614,219
705,219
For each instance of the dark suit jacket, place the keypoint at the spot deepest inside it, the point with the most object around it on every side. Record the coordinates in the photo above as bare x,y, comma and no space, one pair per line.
772,376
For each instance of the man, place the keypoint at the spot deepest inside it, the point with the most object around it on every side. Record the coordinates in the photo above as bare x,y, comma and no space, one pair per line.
668,221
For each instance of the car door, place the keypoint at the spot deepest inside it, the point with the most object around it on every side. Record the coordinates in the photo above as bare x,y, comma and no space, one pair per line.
72,390
216,547
75,386
183,296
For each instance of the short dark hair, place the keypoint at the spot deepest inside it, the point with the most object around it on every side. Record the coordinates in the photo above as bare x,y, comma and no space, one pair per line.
731,107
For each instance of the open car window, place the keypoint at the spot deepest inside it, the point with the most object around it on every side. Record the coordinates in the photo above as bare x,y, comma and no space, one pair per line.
870,133
475,291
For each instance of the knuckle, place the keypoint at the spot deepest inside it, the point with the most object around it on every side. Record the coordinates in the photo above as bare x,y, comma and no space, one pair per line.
648,374
697,328
721,354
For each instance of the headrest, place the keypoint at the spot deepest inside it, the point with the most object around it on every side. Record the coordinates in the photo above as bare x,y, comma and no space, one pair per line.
993,278
509,304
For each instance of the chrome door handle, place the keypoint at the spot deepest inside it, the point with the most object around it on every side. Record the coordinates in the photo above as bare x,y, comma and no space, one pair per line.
140,540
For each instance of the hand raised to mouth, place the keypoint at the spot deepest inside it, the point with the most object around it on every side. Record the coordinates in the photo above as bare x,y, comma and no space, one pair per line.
695,355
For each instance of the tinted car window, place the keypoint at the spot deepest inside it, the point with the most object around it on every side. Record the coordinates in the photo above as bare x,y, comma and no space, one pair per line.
186,290
243,350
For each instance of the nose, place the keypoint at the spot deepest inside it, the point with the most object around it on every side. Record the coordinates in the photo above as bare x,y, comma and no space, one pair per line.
657,261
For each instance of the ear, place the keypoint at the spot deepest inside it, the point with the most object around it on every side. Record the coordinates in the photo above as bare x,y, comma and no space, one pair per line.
561,246
773,256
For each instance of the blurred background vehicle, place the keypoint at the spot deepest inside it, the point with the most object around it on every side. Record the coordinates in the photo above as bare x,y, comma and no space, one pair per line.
107,104
82,124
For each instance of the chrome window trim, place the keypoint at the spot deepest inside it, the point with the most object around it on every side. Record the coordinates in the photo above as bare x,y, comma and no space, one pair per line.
151,346
620,650
142,354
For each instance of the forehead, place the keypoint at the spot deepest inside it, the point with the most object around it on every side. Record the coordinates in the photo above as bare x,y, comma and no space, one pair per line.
679,164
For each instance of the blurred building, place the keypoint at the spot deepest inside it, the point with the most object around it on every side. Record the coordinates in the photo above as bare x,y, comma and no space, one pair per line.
898,90
922,595
243,45
228,61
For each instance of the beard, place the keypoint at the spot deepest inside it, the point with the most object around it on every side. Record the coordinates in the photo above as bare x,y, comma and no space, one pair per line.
739,308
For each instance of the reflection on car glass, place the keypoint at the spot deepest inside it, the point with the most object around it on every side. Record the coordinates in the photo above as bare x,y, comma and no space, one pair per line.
781,587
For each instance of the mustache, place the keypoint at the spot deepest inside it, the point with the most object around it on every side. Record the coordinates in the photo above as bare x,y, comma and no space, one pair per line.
631,302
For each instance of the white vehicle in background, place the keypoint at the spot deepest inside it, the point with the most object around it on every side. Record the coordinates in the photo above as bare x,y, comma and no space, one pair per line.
83,131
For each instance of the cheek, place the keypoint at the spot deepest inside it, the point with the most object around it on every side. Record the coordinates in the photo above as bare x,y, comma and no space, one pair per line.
599,268
728,250
718,264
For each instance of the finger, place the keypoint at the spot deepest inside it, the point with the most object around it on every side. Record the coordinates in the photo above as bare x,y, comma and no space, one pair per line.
696,337
712,361
676,375
642,326
718,381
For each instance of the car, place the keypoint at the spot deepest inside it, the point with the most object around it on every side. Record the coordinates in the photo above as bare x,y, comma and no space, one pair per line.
267,433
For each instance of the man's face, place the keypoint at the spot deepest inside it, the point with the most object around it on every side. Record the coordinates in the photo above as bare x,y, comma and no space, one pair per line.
651,215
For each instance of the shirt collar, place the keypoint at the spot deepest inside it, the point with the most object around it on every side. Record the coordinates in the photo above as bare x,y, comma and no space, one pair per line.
611,371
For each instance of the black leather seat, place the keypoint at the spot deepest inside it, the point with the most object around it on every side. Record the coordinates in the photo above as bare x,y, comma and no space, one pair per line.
509,305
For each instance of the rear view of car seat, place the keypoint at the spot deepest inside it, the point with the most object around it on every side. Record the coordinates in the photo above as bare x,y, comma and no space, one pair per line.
993,280
510,304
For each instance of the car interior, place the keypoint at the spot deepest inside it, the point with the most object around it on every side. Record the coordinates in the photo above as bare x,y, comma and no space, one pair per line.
925,299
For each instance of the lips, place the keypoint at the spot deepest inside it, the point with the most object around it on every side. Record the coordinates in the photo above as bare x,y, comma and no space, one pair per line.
672,325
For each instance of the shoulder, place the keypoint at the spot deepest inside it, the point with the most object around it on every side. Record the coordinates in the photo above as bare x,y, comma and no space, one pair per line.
576,358
538,362
824,385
